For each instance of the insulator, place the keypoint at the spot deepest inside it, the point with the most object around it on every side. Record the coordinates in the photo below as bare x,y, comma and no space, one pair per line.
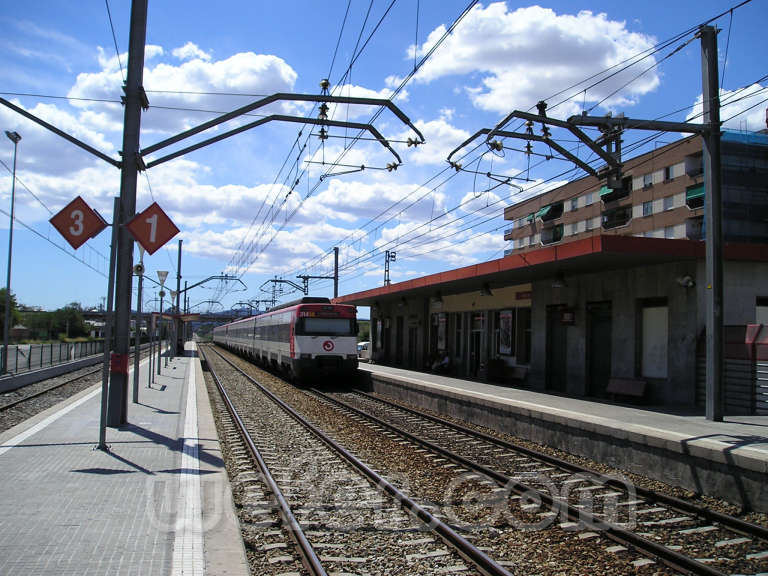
413,142
455,165
392,166
323,134
529,127
495,145
528,149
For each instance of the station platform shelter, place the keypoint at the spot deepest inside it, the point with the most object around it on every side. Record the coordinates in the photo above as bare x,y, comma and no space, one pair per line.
593,317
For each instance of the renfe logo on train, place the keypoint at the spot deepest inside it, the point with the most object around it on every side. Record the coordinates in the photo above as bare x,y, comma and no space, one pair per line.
328,345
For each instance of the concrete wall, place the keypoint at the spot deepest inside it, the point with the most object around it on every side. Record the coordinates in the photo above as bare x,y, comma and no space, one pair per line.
623,289
743,282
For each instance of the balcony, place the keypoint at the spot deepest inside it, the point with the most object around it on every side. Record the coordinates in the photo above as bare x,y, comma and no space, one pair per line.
617,217
694,196
552,234
550,212
695,228
612,194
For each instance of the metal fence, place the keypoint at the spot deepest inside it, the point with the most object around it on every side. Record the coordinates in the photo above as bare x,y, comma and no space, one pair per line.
745,371
26,357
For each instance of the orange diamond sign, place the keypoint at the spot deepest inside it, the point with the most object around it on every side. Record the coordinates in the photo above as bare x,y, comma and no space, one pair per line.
78,222
152,228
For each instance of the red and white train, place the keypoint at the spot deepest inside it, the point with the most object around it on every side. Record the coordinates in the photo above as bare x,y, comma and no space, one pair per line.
305,339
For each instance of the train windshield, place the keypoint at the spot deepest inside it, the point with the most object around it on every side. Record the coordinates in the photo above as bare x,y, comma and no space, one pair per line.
326,326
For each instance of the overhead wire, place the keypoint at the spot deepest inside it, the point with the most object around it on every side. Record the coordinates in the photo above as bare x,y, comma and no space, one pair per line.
114,38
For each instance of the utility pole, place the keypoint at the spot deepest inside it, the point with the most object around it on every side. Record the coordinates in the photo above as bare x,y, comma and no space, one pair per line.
389,256
713,222
135,99
335,271
179,344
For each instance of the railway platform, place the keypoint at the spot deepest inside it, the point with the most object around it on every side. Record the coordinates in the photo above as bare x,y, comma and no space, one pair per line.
158,502
726,459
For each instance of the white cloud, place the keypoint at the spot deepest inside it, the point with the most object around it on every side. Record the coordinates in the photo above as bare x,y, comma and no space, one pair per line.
530,53
190,51
740,110
441,138
179,92
350,201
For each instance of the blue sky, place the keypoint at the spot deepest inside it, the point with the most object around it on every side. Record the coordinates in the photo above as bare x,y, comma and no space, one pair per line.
257,205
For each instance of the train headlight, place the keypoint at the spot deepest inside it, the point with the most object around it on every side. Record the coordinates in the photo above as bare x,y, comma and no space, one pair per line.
305,356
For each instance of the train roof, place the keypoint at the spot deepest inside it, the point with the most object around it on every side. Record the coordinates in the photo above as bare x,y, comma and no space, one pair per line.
304,300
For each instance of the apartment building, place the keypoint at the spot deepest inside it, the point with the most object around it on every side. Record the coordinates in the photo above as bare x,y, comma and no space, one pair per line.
662,196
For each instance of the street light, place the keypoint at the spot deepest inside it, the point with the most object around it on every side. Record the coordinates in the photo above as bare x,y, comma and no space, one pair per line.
14,137
161,275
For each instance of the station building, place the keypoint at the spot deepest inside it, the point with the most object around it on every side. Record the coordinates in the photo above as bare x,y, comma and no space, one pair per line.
602,285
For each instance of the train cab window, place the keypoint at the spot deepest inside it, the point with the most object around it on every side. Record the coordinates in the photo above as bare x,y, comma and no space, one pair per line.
326,326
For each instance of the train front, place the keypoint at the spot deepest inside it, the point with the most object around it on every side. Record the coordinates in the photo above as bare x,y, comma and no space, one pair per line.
324,341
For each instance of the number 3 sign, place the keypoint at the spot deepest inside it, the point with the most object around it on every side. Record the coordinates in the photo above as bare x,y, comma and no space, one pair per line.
152,228
78,222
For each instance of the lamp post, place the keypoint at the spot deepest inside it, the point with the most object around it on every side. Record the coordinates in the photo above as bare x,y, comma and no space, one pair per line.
161,275
14,137
139,271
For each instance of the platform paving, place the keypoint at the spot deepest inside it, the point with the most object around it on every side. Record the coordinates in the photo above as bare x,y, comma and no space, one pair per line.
728,459
157,503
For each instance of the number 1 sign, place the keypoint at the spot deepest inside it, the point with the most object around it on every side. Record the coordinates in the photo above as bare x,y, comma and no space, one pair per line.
152,228
78,222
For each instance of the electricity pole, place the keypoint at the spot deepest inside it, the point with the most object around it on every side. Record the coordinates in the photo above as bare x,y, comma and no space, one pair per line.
135,98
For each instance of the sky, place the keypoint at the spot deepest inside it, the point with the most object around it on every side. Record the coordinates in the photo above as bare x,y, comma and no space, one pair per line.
272,202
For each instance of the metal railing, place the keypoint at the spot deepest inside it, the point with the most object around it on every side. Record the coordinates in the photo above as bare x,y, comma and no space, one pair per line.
27,357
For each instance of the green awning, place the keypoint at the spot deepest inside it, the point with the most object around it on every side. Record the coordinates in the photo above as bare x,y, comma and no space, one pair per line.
544,211
694,192
531,217
604,191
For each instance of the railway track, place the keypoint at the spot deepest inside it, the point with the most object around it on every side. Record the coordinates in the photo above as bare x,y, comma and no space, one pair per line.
523,541
347,514
680,534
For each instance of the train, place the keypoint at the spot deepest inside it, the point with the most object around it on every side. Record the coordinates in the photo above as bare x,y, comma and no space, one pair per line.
305,339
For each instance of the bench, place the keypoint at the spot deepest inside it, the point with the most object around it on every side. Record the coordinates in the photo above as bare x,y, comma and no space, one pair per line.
630,387
498,371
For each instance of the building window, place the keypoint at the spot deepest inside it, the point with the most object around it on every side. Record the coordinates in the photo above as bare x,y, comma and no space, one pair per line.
552,235
647,180
574,204
669,202
654,337
694,228
648,208
588,199
669,232
668,174
550,212
694,196
617,217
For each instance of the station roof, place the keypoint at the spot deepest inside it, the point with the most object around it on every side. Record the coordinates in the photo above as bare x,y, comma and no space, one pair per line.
600,253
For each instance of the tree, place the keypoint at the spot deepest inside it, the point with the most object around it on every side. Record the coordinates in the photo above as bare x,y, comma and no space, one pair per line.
68,321
15,315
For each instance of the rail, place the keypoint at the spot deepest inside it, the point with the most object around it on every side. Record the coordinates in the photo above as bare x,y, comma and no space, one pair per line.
468,551
657,551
